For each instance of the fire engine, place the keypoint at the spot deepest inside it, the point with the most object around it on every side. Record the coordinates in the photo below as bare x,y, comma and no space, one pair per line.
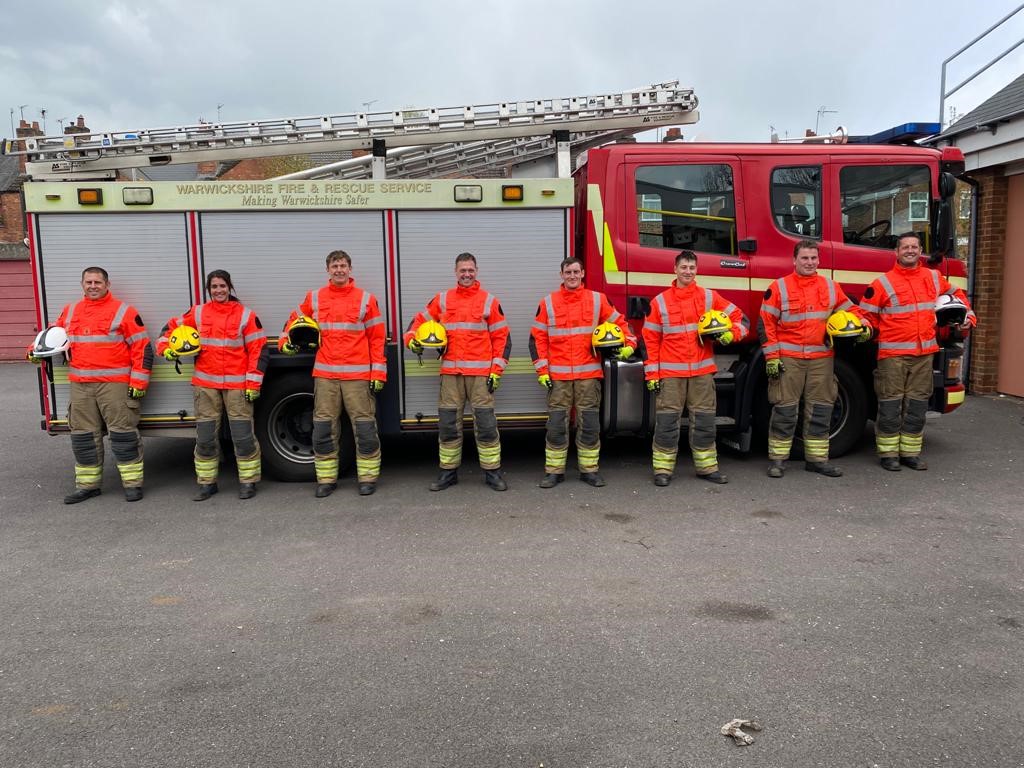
626,209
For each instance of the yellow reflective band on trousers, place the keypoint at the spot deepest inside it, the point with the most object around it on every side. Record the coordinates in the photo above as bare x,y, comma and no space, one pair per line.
588,458
705,460
815,449
664,461
206,470
249,470
131,474
368,468
326,469
887,446
779,448
88,477
490,456
910,445
554,460
450,455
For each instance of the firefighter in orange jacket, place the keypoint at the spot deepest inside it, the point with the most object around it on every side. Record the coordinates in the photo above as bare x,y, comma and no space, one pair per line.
109,360
901,304
228,375
563,355
799,362
348,373
680,367
471,368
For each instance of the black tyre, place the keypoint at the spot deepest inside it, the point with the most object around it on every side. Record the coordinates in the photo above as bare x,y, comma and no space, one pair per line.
284,426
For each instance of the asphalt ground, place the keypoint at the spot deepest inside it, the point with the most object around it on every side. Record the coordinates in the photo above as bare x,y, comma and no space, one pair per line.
871,620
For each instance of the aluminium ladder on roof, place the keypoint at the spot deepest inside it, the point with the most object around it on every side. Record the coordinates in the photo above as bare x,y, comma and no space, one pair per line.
459,158
101,155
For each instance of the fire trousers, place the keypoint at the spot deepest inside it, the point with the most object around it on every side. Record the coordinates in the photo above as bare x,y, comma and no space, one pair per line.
330,396
814,381
585,395
903,385
456,390
696,394
210,405
96,406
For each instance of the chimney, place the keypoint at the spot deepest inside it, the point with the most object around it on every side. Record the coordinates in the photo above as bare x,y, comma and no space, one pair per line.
25,130
673,134
78,127
207,169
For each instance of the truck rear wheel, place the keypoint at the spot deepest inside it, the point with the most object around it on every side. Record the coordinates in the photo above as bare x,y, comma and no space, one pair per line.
284,426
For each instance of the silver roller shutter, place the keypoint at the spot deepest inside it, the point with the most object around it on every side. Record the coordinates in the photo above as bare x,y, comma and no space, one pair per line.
518,253
146,256
275,258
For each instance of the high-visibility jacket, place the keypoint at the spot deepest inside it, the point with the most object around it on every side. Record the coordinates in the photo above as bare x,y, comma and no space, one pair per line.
232,351
109,342
561,338
901,304
478,339
795,313
351,332
674,349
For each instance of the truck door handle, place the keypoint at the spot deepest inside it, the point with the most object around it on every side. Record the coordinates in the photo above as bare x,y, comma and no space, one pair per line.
638,307
748,245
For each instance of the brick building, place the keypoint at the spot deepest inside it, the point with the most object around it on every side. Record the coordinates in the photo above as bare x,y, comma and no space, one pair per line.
992,140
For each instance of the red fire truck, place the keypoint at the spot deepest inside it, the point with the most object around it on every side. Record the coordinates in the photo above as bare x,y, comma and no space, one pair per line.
627,210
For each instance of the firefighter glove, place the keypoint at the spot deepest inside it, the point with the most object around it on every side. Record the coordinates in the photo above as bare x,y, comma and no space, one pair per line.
376,385
135,393
864,335
625,352
654,385
726,338
774,368
170,355
545,381
252,395
289,349
493,382
415,346
33,359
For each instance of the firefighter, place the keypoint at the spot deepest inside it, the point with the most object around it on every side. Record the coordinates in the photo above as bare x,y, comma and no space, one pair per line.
799,361
348,373
569,367
478,346
901,303
109,360
231,356
680,367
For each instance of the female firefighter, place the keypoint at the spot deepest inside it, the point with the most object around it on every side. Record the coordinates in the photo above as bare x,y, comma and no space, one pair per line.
227,341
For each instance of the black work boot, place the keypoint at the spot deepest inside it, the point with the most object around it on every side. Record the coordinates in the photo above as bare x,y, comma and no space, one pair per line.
446,479
81,494
661,479
914,462
715,477
551,479
891,463
777,468
323,490
205,491
246,490
823,468
132,494
494,479
593,478
367,489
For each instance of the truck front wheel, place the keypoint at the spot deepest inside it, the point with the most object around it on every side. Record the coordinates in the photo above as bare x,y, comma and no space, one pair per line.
284,427
850,414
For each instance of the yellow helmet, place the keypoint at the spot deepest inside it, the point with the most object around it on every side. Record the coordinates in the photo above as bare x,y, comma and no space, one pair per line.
304,332
607,336
713,323
843,325
184,341
432,335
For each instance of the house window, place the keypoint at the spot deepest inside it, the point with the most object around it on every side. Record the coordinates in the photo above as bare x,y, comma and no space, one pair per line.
918,206
965,204
686,207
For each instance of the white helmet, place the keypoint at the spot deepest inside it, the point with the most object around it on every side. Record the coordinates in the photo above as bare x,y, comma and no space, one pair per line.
51,342
949,310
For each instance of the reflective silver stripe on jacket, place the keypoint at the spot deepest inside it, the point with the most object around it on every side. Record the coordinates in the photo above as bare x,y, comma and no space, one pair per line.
585,368
214,379
475,364
787,347
324,368
100,371
925,345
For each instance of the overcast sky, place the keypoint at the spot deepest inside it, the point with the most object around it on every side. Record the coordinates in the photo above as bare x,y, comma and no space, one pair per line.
131,66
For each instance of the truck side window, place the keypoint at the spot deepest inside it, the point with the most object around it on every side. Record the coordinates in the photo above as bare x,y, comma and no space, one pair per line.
796,200
686,206
880,202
